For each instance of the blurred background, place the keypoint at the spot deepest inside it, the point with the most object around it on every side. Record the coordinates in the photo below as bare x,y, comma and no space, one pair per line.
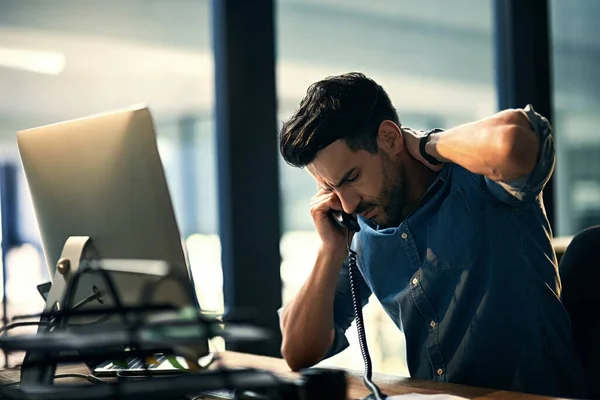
64,59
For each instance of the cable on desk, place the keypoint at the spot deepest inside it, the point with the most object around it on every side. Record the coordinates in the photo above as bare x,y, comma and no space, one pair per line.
87,377
20,324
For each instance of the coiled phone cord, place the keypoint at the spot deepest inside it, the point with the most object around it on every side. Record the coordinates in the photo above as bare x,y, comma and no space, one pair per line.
360,326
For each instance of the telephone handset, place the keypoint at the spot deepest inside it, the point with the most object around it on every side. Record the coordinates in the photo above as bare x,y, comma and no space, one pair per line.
350,223
345,220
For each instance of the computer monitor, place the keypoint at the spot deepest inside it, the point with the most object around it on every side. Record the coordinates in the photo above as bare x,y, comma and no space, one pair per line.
101,177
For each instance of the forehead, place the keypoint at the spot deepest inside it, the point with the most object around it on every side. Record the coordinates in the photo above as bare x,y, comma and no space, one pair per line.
334,161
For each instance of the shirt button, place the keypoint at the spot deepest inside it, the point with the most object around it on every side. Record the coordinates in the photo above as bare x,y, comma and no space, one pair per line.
440,372
404,235
432,324
415,281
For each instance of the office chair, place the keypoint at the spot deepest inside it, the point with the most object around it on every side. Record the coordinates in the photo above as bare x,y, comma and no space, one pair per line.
579,271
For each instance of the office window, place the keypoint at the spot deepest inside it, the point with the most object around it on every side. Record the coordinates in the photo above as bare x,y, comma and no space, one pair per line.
68,59
576,59
434,58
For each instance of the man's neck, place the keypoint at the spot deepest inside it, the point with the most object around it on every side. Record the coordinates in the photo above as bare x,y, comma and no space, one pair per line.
418,180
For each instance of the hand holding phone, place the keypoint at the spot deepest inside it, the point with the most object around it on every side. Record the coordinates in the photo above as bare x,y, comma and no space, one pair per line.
331,224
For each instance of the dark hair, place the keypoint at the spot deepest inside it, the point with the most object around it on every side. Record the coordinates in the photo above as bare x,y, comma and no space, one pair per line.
349,107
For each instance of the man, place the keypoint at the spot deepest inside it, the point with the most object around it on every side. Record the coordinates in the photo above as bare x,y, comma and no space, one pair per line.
454,240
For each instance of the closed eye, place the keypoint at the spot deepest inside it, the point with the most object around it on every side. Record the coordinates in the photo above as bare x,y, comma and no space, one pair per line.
352,179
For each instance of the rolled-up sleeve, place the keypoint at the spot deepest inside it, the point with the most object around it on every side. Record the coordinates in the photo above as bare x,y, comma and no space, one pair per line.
528,187
343,309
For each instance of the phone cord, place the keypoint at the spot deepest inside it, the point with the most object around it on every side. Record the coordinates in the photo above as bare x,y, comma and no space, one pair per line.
360,326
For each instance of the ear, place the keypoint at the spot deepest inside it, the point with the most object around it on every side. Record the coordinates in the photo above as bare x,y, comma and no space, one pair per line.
389,137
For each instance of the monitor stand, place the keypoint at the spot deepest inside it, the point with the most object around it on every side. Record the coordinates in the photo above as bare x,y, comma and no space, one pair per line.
38,367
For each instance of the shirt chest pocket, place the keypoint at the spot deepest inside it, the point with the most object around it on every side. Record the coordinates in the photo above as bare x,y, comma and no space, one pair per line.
453,235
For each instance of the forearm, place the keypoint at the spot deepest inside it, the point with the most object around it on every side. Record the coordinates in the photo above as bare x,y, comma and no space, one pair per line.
307,321
502,147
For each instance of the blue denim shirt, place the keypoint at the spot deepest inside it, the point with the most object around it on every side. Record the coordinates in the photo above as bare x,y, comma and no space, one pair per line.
471,279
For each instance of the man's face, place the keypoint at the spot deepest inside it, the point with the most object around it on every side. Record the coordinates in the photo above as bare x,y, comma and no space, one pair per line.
372,185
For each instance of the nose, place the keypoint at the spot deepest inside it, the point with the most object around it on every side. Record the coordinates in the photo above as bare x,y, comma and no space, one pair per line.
349,199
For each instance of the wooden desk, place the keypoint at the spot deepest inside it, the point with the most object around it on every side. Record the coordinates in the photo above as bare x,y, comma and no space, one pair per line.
389,384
